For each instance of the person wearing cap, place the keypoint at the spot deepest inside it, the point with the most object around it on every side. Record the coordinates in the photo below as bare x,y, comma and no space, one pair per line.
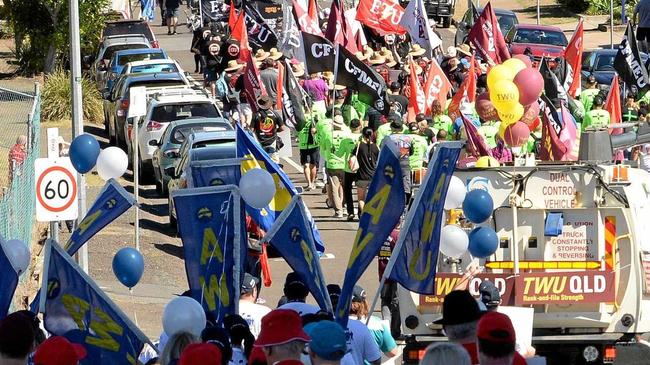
445,353
384,130
328,343
420,145
266,124
308,146
201,354
404,143
57,350
335,163
17,339
495,338
217,337
396,99
241,338
587,95
359,309
296,291
282,337
597,117
460,315
346,148
248,307
269,76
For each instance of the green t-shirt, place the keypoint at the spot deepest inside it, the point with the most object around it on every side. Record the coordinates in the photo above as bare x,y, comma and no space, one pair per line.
349,113
358,105
445,123
335,160
587,98
489,130
306,139
597,118
347,147
384,130
324,136
419,145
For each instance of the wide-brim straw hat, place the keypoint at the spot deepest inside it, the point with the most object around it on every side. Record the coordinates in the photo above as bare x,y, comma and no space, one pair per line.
337,87
298,70
274,54
360,55
464,49
261,55
376,59
417,50
368,51
233,65
385,52
391,62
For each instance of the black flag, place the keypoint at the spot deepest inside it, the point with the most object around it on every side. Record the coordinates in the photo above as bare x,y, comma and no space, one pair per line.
293,98
319,53
290,43
358,76
260,34
553,89
628,62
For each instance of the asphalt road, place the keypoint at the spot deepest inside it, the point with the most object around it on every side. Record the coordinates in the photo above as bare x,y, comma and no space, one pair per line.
164,269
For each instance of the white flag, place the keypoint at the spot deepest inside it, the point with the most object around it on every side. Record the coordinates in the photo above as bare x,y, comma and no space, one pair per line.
416,23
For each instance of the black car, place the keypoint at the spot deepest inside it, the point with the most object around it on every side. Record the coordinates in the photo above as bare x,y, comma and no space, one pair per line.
439,10
600,63
506,18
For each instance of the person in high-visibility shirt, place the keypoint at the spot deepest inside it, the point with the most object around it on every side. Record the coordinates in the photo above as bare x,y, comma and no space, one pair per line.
335,164
348,145
420,145
323,132
597,117
587,95
309,151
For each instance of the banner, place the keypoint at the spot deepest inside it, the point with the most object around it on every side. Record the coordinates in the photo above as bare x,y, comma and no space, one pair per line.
292,236
437,86
383,16
446,282
211,227
415,21
385,202
465,94
260,34
290,42
8,283
419,239
233,14
319,53
213,9
293,98
225,171
613,105
486,36
553,89
628,62
307,18
573,57
417,98
253,86
358,76
111,203
76,308
551,148
475,144
248,148
565,287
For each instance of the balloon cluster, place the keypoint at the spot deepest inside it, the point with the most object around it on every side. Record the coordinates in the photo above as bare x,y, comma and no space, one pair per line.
514,87
477,207
85,154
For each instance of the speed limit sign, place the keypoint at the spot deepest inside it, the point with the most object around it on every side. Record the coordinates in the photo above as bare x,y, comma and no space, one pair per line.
56,189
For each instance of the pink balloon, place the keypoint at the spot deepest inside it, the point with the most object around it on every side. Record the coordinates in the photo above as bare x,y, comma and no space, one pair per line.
516,134
530,84
485,108
531,111
524,58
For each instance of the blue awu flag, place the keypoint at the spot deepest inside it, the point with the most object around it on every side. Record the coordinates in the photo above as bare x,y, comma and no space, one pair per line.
211,226
215,172
292,236
385,203
8,283
416,252
256,157
76,308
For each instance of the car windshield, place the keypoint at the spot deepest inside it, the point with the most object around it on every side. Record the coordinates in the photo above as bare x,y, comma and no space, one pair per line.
162,67
108,54
605,62
537,36
171,112
126,28
506,22
180,133
124,59
214,142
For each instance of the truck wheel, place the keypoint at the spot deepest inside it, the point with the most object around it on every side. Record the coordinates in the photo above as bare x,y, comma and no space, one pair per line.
446,22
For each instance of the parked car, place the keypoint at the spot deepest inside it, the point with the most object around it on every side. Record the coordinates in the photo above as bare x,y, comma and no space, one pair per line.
106,50
164,108
200,146
150,66
439,10
116,103
129,27
506,18
121,58
167,148
542,40
600,63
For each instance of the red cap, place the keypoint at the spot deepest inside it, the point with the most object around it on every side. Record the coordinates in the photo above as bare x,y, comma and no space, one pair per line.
200,354
495,327
281,326
57,350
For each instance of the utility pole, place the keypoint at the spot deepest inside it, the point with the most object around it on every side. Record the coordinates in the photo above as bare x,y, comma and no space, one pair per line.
77,115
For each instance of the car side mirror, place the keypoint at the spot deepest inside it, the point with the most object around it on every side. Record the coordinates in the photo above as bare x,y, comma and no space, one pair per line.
153,143
171,171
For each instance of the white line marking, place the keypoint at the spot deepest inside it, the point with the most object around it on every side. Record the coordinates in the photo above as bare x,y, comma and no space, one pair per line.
293,164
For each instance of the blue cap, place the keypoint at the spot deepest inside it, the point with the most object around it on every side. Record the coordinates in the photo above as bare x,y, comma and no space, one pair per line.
328,340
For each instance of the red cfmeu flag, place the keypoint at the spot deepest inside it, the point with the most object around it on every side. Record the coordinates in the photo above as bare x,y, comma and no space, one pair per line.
236,31
613,105
244,48
476,145
466,93
307,18
417,98
232,15
437,86
338,30
487,38
573,57
253,86
382,16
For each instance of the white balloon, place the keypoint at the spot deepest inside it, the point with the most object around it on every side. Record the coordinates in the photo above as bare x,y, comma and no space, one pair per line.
257,188
18,254
183,314
453,241
112,163
455,193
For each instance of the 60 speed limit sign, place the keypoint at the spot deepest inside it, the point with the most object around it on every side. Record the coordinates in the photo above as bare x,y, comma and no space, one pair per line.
56,189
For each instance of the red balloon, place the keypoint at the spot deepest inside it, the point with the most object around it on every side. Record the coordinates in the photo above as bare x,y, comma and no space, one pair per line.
530,84
531,111
516,134
485,108
524,58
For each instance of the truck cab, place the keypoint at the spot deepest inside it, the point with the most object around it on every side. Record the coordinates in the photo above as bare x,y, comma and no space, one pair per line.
441,11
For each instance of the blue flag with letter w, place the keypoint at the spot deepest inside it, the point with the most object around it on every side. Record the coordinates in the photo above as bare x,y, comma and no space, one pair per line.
76,308
212,229
293,237
256,157
416,250
8,283
385,203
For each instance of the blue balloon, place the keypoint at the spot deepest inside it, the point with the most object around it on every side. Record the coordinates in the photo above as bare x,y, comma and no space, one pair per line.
128,266
84,151
478,206
483,242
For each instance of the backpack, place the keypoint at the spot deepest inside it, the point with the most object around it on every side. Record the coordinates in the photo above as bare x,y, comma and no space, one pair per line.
222,86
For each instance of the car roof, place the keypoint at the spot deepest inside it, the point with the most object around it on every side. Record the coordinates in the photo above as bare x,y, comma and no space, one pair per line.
538,27
181,122
498,11
212,152
125,39
162,61
124,52
212,135
180,99
154,76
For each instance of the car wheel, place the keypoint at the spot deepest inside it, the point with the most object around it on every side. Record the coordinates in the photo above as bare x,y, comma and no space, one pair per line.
446,22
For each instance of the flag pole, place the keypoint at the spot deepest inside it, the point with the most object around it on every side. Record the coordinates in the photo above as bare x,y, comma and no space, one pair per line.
336,73
611,24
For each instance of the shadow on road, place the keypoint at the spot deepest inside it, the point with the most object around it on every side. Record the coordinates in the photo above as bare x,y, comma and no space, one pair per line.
155,226
161,210
168,248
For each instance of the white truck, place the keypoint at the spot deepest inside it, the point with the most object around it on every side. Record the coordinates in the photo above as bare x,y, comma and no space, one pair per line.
587,278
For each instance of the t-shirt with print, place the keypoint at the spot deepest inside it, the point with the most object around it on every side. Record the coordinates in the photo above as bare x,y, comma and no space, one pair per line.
380,331
301,307
266,124
252,313
361,343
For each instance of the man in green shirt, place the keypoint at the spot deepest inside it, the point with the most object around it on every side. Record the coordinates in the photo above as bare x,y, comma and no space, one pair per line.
420,146
309,150
587,95
335,164
346,149
597,117
489,130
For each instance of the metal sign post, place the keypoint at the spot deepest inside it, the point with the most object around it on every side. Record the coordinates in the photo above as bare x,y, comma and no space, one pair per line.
137,109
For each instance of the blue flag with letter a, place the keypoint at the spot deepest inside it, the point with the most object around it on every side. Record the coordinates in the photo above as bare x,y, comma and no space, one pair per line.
385,203
256,157
215,172
211,226
8,283
419,239
293,237
76,308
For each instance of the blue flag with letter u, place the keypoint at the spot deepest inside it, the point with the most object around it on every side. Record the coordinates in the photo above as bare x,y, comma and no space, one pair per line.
211,226
419,239
292,236
256,157
8,283
215,172
385,203
76,308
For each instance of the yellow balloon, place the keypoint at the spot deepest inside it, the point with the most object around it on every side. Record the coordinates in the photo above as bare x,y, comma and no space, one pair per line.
498,73
502,129
487,161
504,95
511,115
515,64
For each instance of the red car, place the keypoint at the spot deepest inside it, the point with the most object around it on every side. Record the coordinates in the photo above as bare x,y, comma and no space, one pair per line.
542,40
